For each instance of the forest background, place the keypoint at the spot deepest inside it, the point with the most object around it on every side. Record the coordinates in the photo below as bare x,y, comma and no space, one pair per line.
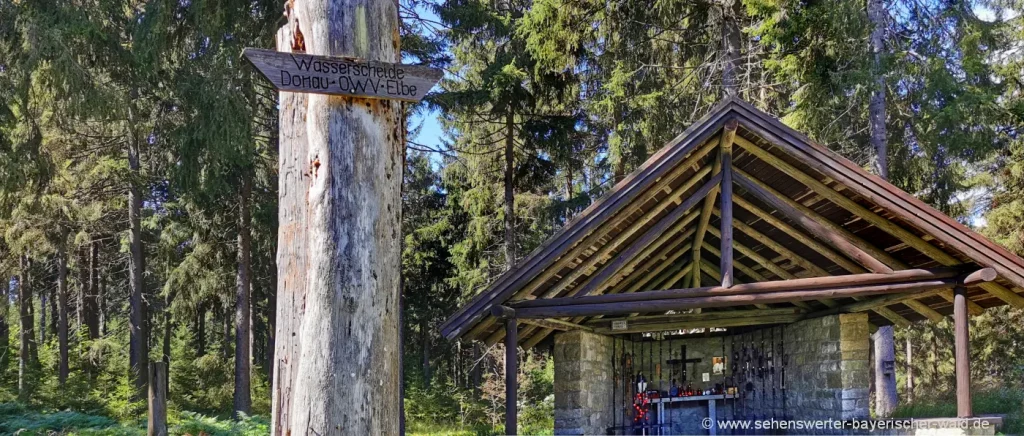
138,179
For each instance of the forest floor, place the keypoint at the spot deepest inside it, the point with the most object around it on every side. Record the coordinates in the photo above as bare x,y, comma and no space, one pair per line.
24,420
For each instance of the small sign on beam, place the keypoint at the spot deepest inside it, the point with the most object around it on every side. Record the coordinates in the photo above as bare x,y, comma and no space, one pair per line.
620,324
295,72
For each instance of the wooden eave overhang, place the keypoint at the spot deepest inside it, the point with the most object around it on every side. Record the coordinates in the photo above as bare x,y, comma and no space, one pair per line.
799,211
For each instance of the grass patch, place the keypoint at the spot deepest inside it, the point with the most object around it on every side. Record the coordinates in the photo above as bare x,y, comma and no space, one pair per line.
1006,401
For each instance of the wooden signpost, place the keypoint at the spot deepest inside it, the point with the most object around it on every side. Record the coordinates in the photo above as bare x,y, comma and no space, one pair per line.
343,76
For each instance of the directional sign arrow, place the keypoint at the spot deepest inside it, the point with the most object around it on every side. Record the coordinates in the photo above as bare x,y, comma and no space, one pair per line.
343,76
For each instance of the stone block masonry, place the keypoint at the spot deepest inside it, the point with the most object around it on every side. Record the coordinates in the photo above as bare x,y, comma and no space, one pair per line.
827,374
583,383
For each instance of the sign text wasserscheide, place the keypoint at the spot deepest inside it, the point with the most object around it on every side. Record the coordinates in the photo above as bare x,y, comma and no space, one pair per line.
343,76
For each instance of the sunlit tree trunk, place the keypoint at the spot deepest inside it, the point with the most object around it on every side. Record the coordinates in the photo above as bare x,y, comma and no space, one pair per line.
337,368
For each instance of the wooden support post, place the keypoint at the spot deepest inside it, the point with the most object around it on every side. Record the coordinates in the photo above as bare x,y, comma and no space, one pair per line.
157,399
726,211
511,379
963,353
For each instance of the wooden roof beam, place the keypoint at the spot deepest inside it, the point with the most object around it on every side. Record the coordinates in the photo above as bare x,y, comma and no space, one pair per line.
703,316
556,324
617,220
813,283
598,280
725,143
607,250
711,271
693,324
907,237
874,219
813,227
584,306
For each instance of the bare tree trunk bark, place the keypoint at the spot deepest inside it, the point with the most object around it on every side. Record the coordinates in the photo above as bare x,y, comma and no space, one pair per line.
730,47
343,342
242,399
62,307
510,195
137,319
876,105
293,181
271,329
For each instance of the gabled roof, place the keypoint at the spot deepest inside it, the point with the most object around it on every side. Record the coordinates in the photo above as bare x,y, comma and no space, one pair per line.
640,236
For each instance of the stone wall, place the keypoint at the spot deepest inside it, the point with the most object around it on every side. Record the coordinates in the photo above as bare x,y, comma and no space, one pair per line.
829,367
826,374
583,383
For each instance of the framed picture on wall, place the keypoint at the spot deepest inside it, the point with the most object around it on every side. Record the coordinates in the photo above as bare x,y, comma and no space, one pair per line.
718,365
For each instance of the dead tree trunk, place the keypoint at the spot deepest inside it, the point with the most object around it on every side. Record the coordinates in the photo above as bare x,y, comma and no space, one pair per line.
62,312
337,369
137,319
242,400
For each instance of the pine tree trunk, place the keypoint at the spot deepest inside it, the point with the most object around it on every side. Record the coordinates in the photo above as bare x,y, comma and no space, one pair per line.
26,356
228,332
42,316
101,298
242,400
92,306
62,307
168,333
341,346
5,327
271,326
910,370
425,342
510,197
730,47
876,105
201,330
137,320
885,343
